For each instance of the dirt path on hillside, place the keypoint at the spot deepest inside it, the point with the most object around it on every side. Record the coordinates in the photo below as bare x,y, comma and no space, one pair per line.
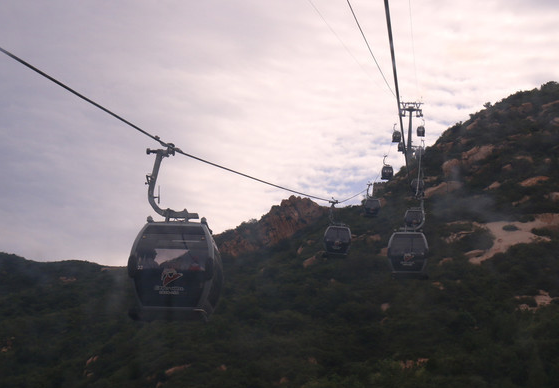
507,238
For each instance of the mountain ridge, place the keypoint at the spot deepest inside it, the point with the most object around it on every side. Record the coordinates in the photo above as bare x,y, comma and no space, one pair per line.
466,166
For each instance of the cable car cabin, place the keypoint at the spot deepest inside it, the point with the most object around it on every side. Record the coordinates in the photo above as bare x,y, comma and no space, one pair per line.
387,172
407,254
371,207
177,271
400,147
414,218
396,137
337,240
421,131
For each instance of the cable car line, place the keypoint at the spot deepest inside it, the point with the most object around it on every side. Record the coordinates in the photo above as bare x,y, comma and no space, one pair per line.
341,41
369,47
391,41
353,196
408,249
413,48
420,186
62,85
157,138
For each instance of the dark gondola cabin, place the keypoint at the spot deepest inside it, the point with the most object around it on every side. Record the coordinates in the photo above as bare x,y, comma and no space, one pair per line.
387,172
371,207
396,137
407,254
414,218
337,240
177,271
421,131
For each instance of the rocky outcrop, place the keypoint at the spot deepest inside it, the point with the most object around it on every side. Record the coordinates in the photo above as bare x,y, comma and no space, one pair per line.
451,169
279,223
443,188
8,345
171,371
542,299
476,154
533,181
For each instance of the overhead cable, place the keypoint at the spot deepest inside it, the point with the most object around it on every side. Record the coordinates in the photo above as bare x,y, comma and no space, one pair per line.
157,138
413,49
353,196
342,42
391,41
369,47
80,95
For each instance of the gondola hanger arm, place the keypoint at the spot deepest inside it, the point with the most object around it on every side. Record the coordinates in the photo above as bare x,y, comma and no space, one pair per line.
369,185
152,178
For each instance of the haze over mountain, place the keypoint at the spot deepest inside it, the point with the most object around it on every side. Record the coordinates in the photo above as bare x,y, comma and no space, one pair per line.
289,316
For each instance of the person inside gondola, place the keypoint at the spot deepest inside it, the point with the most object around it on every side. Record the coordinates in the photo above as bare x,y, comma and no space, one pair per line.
146,259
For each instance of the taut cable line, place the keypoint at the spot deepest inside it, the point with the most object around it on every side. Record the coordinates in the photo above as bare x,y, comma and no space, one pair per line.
393,55
157,138
369,47
81,96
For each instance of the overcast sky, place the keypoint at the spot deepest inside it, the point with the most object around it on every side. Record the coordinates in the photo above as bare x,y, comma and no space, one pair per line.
283,90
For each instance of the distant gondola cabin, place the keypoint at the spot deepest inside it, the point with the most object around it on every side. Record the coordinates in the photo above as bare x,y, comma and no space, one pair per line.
337,240
414,218
387,172
371,207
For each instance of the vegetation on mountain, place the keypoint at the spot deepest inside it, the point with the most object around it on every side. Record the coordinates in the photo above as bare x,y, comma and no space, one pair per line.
291,317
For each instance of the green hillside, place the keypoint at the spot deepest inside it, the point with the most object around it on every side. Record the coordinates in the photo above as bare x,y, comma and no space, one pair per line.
291,317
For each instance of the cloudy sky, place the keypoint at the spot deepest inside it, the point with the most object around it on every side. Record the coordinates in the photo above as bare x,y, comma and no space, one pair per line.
282,90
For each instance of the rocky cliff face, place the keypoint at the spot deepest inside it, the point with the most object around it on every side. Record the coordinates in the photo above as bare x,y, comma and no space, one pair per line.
279,223
501,171
509,132
511,142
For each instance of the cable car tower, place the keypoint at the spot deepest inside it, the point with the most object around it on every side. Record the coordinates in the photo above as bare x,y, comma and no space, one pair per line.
411,109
